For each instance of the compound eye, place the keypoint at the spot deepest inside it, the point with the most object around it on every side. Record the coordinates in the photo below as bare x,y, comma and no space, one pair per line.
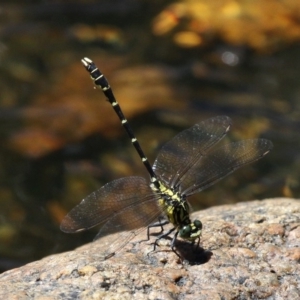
185,231
198,224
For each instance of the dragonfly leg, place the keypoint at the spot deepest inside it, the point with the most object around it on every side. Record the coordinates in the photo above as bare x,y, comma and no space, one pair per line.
173,245
196,245
161,222
162,236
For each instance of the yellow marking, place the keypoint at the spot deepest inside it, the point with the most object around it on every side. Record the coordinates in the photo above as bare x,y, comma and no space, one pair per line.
98,77
124,121
133,140
169,192
153,187
144,159
96,69
161,202
195,235
115,103
106,88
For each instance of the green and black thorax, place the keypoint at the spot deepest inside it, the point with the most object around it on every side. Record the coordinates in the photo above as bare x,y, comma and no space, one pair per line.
177,210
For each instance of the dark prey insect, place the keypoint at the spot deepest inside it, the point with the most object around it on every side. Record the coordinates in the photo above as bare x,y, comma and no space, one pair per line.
184,166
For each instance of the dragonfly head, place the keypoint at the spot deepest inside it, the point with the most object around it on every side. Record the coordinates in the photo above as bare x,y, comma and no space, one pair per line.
191,231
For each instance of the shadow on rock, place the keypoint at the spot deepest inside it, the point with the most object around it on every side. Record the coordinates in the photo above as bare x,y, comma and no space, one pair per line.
194,254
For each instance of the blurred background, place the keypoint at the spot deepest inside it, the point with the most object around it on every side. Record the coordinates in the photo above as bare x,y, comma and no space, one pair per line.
171,64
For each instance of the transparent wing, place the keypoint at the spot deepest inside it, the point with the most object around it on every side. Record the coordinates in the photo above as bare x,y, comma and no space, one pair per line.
180,154
110,245
135,217
107,202
222,161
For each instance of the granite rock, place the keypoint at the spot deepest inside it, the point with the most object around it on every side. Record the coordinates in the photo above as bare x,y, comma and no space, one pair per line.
249,250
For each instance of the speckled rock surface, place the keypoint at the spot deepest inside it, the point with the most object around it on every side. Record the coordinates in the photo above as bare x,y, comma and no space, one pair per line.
251,250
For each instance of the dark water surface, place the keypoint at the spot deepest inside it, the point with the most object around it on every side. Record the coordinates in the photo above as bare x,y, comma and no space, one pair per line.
61,140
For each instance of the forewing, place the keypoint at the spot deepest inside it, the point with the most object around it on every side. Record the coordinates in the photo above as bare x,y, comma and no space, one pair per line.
106,202
222,161
180,154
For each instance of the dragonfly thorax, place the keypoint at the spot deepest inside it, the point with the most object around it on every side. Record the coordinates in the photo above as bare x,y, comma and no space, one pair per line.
177,210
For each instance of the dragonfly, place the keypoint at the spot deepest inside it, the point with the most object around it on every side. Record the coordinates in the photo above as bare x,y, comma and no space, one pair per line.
187,164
